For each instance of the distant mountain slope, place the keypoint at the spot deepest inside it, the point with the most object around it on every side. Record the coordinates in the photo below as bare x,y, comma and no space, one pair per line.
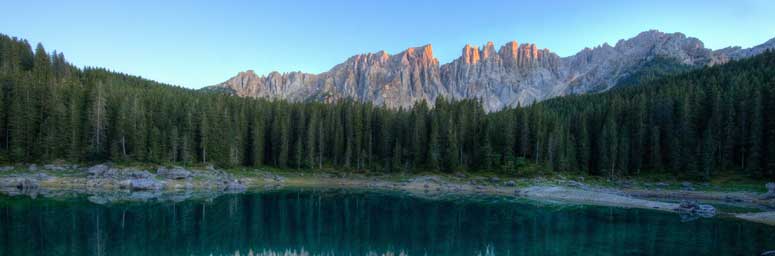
513,74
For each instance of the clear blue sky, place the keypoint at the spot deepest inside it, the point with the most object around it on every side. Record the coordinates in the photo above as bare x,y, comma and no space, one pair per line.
197,43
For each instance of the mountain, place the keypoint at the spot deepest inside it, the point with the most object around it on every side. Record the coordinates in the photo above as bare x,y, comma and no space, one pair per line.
513,74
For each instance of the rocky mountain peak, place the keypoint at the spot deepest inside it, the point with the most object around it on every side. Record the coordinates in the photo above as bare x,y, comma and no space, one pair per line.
515,74
509,50
488,50
424,52
470,54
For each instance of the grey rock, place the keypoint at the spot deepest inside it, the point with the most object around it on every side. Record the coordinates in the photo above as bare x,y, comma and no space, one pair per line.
105,172
175,173
687,185
136,174
694,208
20,183
125,184
98,170
56,168
27,183
770,194
6,168
576,184
510,183
768,253
32,167
42,176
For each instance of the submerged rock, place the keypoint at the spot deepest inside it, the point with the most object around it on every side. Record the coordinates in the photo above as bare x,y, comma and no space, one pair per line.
145,184
98,199
692,208
235,185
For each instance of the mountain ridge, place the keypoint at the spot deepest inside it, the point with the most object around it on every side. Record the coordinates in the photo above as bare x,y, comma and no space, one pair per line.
515,74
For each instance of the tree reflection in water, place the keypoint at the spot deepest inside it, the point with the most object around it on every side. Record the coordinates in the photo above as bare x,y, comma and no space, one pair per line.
334,222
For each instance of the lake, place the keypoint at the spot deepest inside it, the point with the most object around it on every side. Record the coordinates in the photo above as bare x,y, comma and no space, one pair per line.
353,222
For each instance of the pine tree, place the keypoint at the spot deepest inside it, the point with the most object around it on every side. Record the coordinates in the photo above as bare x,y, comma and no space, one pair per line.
98,121
310,140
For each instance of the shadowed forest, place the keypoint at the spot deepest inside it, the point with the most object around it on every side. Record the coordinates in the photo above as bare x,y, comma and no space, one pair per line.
693,124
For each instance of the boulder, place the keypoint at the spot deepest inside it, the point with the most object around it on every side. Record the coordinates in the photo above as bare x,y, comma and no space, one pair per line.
576,184
42,176
137,174
105,172
174,173
125,184
687,185
770,194
21,183
6,168
694,208
33,167
56,168
510,183
26,184
98,170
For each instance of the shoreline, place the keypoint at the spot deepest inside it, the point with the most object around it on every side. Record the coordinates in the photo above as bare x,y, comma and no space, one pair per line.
105,184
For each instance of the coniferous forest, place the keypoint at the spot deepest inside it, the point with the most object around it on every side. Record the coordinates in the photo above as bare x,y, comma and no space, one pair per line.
695,124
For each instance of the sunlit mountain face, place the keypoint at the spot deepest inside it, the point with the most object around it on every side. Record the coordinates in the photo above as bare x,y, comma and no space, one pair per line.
514,74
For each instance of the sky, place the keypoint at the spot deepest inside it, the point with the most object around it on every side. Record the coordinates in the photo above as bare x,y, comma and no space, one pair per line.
198,43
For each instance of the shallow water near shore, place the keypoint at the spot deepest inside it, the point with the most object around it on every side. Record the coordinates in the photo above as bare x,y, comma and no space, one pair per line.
358,222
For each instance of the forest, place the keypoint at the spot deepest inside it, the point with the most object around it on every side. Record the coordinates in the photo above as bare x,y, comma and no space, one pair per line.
695,124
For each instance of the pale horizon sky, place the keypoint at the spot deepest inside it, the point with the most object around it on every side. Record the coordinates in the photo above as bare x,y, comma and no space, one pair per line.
200,43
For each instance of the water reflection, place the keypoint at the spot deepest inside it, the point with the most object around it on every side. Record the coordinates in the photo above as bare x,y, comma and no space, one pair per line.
335,222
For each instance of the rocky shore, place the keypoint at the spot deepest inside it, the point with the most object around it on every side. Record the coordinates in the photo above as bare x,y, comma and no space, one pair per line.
106,183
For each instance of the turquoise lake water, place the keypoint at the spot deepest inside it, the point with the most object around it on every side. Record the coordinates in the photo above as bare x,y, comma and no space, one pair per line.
346,222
